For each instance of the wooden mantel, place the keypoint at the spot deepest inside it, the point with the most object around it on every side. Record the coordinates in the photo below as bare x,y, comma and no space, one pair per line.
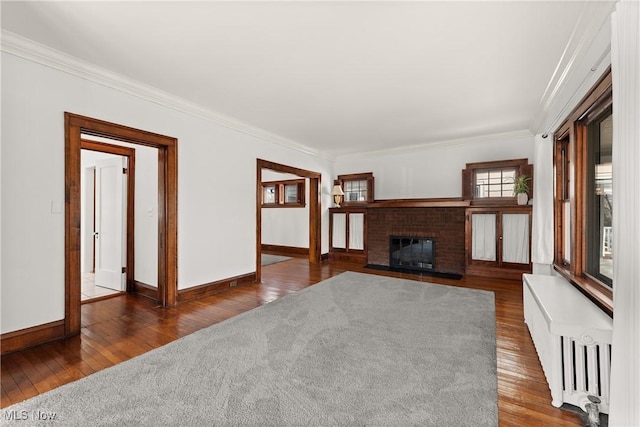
450,202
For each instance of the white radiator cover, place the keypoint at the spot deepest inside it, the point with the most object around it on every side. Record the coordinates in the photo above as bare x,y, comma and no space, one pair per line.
572,337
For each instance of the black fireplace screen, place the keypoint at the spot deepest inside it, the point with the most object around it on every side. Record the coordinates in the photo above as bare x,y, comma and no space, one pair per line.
412,253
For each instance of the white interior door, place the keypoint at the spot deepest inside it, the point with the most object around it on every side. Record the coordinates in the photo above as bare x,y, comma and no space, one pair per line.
110,223
87,225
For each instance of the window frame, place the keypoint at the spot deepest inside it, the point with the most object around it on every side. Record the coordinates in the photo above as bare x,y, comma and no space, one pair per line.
365,176
573,135
562,195
521,166
280,193
594,238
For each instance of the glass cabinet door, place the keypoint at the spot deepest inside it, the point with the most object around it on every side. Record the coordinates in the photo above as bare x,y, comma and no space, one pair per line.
356,231
339,231
483,236
515,238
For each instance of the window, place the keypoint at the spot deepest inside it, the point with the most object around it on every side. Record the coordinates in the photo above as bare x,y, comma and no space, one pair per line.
583,196
269,194
494,182
355,191
357,188
287,194
600,198
563,201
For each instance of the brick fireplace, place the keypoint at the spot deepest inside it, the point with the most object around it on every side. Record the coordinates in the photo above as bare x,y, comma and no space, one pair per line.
445,225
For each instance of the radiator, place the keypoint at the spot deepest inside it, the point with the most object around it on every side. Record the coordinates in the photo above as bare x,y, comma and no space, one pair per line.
572,337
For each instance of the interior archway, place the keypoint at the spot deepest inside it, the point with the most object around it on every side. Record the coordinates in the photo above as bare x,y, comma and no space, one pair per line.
314,209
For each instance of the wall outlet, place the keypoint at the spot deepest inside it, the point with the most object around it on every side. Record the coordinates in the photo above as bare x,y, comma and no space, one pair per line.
233,283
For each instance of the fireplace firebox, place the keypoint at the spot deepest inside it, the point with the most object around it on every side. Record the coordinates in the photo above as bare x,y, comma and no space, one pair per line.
412,253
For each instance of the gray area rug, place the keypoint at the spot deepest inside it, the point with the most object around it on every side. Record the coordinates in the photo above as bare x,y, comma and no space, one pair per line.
267,259
356,349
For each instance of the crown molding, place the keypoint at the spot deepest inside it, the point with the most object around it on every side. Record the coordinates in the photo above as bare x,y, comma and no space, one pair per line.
30,50
591,21
496,137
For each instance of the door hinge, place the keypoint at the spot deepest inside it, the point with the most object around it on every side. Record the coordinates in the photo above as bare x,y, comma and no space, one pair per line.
124,270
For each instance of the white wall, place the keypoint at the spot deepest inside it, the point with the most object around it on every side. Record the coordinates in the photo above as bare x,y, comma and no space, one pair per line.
580,78
146,215
285,226
216,185
436,170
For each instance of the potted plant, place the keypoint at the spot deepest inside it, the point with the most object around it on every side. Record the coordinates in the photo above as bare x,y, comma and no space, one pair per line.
521,189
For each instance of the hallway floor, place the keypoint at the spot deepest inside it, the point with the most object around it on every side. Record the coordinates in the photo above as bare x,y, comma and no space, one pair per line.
90,290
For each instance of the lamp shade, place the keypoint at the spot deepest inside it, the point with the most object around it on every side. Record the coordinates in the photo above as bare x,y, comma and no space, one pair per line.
337,191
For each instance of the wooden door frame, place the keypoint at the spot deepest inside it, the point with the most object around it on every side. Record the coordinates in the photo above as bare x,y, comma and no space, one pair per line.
314,209
76,125
130,154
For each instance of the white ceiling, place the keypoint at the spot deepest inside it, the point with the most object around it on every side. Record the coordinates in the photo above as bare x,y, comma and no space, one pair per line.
337,77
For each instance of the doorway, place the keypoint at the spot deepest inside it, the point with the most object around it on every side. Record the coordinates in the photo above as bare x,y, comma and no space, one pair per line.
75,127
314,210
107,219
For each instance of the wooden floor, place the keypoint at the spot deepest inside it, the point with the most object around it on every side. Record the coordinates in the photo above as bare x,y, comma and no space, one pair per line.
123,327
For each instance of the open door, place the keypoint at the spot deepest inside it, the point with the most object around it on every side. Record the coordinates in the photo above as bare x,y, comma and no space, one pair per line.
110,223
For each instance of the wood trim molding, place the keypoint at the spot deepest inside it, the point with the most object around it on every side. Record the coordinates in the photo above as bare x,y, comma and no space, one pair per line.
451,202
315,216
216,287
104,147
145,290
101,298
75,127
443,202
278,167
23,338
359,257
285,250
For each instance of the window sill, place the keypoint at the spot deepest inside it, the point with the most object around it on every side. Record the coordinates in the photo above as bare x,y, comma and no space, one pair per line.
601,295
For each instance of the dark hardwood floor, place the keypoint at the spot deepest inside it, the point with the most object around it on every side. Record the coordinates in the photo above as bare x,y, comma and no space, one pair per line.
117,329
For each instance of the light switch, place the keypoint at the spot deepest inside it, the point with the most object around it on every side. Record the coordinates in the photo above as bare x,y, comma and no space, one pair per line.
56,207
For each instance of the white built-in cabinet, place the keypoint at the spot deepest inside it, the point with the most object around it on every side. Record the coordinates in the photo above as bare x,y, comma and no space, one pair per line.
498,241
348,233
